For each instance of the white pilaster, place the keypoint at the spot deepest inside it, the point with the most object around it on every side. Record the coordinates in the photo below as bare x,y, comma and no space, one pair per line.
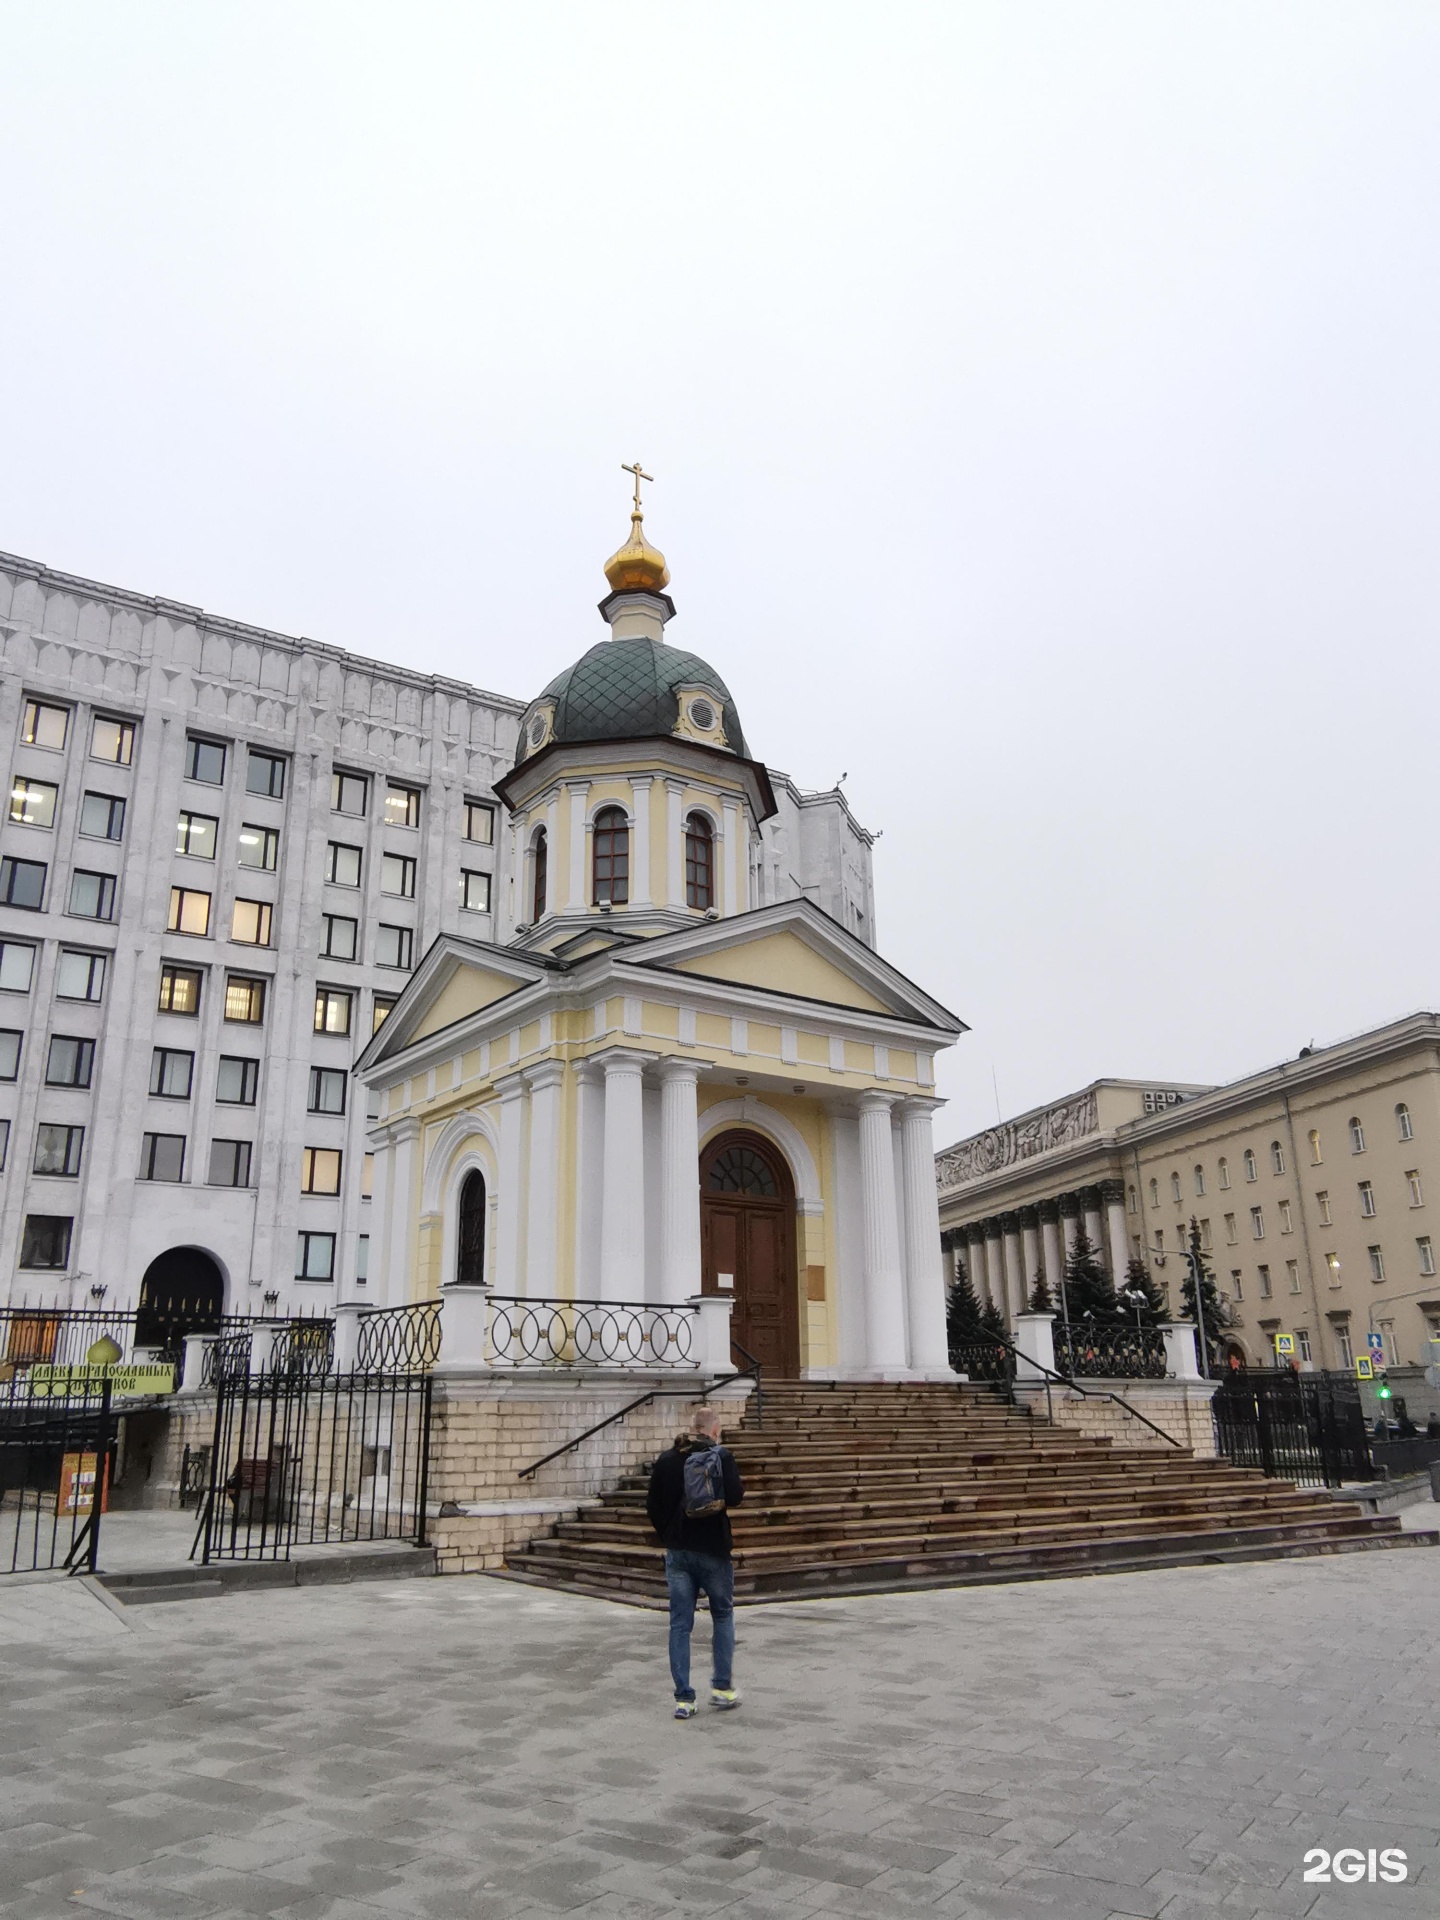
589,1177
543,1185
924,1270
579,791
622,1206
404,1140
508,1201
732,863
884,1281
640,787
679,1181
674,844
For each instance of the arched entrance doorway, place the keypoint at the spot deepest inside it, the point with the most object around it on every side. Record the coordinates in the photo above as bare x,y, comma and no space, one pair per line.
747,1244
183,1292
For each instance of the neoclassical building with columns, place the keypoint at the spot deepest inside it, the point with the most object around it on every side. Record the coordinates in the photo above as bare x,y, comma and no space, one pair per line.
666,1084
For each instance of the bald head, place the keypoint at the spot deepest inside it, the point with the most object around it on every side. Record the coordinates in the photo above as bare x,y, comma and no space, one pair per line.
705,1423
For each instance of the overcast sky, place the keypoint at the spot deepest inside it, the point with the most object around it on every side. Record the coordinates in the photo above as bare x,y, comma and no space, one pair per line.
1042,401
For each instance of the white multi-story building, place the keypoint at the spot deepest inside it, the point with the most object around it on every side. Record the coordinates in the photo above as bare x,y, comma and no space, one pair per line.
223,852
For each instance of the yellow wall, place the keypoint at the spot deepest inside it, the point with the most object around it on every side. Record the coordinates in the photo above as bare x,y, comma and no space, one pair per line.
784,964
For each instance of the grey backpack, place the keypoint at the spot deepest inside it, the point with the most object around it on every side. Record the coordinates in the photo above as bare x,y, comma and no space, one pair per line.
704,1482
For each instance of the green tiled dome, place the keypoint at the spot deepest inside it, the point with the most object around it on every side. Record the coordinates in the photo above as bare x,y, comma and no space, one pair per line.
625,690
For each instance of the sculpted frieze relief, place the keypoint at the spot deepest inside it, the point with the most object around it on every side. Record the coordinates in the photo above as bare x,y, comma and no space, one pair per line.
1016,1140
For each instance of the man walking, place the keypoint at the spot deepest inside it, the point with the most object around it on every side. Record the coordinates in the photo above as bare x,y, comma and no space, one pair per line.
692,1487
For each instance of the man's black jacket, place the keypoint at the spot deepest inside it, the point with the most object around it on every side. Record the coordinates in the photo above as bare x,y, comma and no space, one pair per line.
666,1502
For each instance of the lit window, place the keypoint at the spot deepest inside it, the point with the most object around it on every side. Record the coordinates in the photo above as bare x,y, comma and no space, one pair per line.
327,1090
1287,1221
44,725
1357,1137
349,793
11,1040
1199,1182
332,1010
342,865
699,863
1367,1200
92,895
265,775
1377,1263
32,802
102,817
259,847
244,999
1264,1283
1426,1252
539,874
340,936
57,1150
315,1256
480,823
17,966
397,875
402,806
250,923
1231,1232
162,1157
204,761
22,884
1175,1193
320,1170
474,891
1292,1274
1315,1146
79,976
1322,1201
1252,1172
172,1073
189,911
1257,1222
1332,1268
1417,1192
1224,1173
1404,1122
1277,1157
112,740
380,1012
229,1163
179,990
195,835
367,1176
236,1080
394,947
611,858
45,1242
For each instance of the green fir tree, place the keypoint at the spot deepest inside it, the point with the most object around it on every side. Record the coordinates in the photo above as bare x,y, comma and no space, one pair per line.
1040,1298
1088,1292
1154,1313
964,1322
1217,1314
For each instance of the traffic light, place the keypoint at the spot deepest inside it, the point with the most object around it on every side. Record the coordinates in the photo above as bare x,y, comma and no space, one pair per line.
1382,1390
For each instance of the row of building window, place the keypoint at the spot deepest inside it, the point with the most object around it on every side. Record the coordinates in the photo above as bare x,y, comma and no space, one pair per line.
610,863
60,1148
46,725
46,1237
1405,1130
1375,1259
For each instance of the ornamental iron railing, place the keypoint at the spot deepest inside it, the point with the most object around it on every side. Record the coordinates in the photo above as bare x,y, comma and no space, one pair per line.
984,1360
57,1459
595,1333
399,1339
1306,1427
1088,1352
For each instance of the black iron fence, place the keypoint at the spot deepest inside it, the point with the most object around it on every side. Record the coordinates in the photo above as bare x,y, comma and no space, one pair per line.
601,1333
57,1458
1306,1427
984,1360
1087,1352
399,1339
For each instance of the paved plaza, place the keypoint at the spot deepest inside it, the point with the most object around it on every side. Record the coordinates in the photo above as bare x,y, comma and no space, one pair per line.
1148,1744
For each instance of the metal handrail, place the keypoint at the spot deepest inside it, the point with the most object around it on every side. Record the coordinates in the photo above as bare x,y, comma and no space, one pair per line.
1086,1393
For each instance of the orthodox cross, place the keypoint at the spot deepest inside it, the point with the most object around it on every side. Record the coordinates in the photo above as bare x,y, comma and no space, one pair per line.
640,475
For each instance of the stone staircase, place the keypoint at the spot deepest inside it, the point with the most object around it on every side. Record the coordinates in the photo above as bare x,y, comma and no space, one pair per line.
866,1488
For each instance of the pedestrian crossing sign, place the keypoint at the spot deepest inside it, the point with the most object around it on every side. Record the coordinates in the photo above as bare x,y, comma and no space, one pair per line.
1285,1345
1364,1367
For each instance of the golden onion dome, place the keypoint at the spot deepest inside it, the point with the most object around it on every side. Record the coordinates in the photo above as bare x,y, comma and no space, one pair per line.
637,567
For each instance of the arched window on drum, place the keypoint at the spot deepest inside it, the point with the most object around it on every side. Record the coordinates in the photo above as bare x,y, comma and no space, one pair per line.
699,863
539,875
612,858
470,1235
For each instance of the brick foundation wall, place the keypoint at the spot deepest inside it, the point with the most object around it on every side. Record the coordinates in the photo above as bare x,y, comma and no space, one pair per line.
1181,1408
486,1429
155,1438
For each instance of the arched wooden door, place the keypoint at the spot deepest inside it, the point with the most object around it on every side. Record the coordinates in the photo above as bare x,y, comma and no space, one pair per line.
747,1241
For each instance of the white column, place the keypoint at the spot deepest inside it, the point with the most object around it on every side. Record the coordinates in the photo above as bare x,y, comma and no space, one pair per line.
1030,1248
589,1173
1113,1194
1069,1224
732,862
1093,1227
576,900
679,1181
1050,1235
674,844
995,1271
1014,1279
403,1141
924,1271
640,787
508,1201
553,900
543,1195
884,1282
622,1204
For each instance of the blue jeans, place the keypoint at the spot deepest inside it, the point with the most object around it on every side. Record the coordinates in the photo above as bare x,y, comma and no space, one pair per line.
688,1575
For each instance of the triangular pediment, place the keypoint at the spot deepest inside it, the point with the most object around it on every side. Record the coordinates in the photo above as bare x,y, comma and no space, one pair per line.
783,963
466,991
455,980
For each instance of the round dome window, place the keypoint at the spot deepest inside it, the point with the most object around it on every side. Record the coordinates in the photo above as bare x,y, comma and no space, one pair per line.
537,729
702,715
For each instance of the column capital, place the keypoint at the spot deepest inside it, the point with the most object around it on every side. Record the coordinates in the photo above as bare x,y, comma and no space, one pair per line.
547,1073
872,1100
1048,1209
1112,1192
396,1133
1089,1197
511,1086
1029,1216
1009,1223
675,1066
1069,1205
623,1060
991,1229
914,1105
